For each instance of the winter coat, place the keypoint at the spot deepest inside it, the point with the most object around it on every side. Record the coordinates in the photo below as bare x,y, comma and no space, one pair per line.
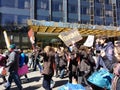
48,63
13,61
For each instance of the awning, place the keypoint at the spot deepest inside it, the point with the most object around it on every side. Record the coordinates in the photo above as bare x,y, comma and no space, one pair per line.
46,27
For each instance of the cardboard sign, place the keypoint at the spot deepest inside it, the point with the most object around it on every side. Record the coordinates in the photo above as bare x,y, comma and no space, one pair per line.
70,36
89,41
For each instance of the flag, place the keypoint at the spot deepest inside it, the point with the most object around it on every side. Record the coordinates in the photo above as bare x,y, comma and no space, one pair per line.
32,38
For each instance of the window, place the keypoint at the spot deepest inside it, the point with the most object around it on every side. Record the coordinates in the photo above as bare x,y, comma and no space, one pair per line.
23,4
22,19
98,12
42,18
108,23
57,19
43,4
7,19
72,8
99,1
25,39
118,15
85,22
84,10
16,39
118,4
57,6
7,3
98,22
107,1
72,20
108,13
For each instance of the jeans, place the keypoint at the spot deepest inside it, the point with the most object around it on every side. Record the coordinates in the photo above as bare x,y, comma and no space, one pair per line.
62,73
14,76
39,65
46,82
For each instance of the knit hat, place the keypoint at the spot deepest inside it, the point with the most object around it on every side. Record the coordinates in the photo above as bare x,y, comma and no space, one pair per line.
12,46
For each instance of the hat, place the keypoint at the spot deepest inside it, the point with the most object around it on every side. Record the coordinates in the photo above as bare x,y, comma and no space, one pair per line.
12,46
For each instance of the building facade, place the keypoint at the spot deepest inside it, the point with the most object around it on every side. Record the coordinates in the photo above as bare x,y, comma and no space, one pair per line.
95,12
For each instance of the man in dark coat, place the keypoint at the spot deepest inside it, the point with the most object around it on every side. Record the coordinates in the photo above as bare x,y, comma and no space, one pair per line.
13,64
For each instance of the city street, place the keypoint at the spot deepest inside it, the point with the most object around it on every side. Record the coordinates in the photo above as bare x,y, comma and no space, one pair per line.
35,82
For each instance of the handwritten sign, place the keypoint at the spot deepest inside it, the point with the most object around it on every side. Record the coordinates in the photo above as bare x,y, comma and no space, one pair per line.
89,41
70,36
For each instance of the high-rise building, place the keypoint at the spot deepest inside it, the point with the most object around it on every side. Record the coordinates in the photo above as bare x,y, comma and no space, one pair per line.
87,12
95,12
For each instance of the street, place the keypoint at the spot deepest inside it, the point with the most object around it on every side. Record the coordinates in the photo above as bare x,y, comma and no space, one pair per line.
35,82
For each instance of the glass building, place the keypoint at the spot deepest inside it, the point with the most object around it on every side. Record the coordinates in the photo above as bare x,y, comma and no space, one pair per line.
95,12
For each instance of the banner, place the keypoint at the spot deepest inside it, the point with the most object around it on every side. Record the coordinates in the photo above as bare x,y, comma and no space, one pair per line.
70,36
89,41
7,41
32,38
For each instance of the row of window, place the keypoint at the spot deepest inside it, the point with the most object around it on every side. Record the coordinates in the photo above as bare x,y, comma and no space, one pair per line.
57,6
9,19
23,4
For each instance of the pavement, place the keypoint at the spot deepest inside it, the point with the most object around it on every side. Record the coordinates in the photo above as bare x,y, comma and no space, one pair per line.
35,82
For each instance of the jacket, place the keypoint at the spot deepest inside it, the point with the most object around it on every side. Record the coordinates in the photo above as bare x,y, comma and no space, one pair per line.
13,61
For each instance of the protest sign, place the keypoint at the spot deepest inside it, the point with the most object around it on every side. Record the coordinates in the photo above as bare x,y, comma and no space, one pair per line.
70,36
89,41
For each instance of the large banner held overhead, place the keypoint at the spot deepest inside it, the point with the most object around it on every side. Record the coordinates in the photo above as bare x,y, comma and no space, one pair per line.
70,36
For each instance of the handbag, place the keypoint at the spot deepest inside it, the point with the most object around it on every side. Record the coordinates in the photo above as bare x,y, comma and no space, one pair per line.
23,70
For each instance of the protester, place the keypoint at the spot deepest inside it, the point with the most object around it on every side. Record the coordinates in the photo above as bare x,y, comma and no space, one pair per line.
116,67
86,65
13,64
22,64
73,62
106,79
31,57
57,59
37,60
103,43
3,60
62,62
48,66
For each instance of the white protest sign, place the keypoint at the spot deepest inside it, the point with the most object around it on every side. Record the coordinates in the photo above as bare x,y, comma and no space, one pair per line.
89,41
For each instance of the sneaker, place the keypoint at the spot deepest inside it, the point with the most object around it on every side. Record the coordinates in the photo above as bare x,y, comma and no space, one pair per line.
52,84
7,84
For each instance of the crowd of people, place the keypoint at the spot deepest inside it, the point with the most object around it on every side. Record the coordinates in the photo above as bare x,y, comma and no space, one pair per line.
82,64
